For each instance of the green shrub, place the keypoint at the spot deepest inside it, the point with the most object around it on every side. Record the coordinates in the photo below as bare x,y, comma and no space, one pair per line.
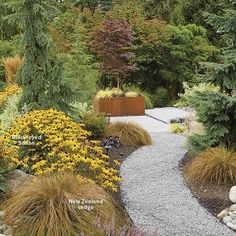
214,166
95,123
148,101
4,168
216,111
186,98
2,85
198,143
3,185
79,108
161,97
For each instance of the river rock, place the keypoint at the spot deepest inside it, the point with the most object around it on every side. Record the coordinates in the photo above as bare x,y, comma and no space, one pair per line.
232,208
222,214
1,213
232,226
3,227
227,219
232,194
233,222
16,178
8,231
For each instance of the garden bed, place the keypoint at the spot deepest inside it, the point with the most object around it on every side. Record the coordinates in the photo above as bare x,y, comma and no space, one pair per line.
211,197
120,154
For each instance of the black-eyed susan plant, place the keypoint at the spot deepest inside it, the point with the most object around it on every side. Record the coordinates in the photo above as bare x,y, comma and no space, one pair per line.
45,141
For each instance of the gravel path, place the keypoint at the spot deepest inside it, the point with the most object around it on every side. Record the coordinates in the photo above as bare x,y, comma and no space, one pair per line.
155,194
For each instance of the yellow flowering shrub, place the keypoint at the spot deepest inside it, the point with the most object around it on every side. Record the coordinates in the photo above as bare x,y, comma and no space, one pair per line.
8,91
44,141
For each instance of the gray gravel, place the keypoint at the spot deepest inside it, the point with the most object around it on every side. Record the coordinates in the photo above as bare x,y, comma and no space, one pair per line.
156,196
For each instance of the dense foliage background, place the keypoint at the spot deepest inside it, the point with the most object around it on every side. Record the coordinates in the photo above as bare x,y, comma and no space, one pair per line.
170,39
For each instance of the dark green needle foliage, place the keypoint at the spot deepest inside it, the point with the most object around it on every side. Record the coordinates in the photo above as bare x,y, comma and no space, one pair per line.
40,75
93,4
217,110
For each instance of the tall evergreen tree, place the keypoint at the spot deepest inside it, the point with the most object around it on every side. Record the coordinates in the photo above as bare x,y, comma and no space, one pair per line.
217,110
224,74
192,12
40,75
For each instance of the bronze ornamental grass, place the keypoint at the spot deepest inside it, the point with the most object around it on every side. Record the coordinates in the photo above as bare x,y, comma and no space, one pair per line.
44,207
214,165
12,65
129,133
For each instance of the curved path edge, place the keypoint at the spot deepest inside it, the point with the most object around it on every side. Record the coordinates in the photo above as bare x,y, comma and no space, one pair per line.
155,194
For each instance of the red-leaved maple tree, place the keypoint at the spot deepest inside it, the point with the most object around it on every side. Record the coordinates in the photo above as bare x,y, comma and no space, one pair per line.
113,45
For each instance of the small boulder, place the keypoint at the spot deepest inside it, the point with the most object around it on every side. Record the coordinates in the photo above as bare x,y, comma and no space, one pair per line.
233,222
232,226
222,214
16,178
232,194
8,231
3,228
232,208
227,219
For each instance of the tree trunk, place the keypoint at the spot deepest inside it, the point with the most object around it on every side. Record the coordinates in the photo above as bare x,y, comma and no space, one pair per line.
118,82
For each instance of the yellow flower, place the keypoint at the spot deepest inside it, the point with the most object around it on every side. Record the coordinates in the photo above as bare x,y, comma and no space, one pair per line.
64,145
116,162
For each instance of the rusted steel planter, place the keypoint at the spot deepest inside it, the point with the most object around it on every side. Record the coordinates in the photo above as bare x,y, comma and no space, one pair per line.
120,106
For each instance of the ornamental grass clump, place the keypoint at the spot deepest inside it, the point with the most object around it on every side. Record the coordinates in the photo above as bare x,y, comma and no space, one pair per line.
104,94
45,141
214,165
129,133
12,65
57,205
131,94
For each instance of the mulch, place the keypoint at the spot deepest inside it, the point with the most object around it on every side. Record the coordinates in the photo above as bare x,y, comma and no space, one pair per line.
214,198
120,154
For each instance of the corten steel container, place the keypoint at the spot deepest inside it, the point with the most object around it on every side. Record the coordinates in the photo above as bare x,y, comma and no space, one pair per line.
120,106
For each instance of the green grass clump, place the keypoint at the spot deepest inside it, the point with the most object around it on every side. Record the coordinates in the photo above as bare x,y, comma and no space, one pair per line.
95,123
